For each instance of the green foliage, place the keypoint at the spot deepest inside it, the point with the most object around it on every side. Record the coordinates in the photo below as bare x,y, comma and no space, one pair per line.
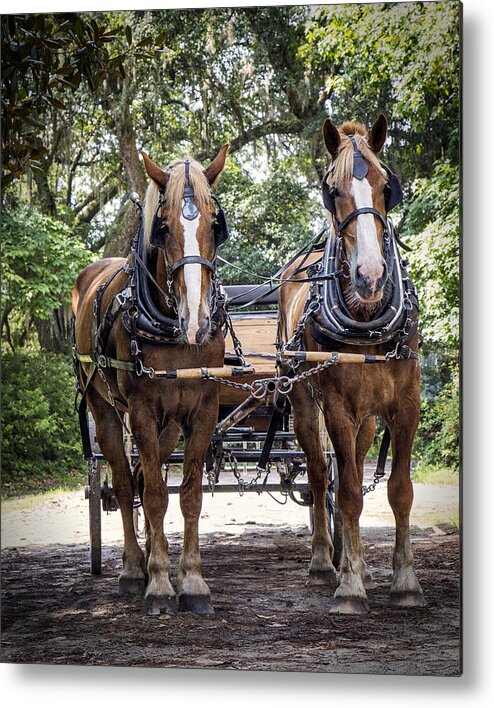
40,433
433,230
269,220
438,438
40,261
44,57
402,59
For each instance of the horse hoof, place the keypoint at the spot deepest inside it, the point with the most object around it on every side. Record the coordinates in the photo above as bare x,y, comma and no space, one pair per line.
324,577
156,604
131,586
349,606
198,604
408,598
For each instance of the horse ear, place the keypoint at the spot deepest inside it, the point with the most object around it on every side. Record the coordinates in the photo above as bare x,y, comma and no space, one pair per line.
378,134
214,170
332,137
154,172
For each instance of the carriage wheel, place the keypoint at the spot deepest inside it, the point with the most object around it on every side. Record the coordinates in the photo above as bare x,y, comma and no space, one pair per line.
94,496
335,526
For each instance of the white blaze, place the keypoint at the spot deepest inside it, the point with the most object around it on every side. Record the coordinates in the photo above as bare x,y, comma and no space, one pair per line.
192,275
369,255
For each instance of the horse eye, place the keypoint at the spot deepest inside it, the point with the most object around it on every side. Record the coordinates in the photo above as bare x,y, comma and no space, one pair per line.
336,192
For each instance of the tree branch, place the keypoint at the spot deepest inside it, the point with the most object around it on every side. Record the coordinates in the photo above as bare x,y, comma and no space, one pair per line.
270,127
96,192
104,196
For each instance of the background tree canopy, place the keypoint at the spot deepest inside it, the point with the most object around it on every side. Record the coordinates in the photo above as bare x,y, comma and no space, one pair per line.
82,93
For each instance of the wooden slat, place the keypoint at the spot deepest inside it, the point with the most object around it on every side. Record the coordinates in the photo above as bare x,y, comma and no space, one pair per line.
257,334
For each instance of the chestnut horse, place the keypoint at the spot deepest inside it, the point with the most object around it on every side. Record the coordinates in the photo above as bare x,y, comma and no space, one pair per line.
351,395
181,280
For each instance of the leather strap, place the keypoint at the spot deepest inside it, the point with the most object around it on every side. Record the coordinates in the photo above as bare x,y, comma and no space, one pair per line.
190,259
358,212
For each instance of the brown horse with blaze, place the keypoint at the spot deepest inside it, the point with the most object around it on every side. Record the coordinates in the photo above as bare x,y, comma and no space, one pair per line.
160,410
352,395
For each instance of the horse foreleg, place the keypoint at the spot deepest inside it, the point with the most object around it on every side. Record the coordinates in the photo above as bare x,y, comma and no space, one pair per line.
306,427
405,588
350,596
194,594
169,438
132,579
160,594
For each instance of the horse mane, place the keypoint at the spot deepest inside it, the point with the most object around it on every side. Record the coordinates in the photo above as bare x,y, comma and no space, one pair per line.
342,168
174,193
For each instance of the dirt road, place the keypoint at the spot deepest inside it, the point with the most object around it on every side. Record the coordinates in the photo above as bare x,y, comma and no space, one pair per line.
255,556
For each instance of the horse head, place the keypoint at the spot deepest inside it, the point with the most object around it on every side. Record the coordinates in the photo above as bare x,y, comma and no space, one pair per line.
358,191
180,219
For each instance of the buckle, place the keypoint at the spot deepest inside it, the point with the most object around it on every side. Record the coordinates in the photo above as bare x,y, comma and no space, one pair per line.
123,296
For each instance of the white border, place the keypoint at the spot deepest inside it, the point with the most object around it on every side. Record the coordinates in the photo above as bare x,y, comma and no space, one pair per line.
59,685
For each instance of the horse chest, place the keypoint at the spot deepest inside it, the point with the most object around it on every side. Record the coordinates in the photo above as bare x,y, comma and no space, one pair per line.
361,389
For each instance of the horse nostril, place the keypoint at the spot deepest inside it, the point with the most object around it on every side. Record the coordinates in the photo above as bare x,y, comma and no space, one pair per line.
204,327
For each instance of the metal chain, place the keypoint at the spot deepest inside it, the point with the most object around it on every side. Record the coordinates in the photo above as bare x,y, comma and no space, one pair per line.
111,398
313,305
374,483
242,484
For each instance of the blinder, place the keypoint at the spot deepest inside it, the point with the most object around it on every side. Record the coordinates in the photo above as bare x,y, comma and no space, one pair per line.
220,225
393,193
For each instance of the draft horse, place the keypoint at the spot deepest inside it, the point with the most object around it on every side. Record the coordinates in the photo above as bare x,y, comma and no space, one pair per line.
370,287
159,311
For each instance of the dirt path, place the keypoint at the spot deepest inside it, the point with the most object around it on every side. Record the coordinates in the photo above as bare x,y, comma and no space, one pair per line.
255,556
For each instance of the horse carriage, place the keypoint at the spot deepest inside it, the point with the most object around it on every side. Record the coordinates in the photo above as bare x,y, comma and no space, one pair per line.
331,346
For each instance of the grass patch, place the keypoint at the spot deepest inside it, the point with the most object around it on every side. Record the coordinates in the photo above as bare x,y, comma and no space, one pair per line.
66,482
434,474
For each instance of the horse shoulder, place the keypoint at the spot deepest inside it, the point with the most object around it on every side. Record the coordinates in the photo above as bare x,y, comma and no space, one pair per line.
293,293
91,278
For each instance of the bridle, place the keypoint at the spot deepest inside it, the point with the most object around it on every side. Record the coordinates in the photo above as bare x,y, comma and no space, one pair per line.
393,193
331,321
190,211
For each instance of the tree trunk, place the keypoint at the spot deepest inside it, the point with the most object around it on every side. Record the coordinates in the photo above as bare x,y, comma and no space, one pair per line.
120,236
54,334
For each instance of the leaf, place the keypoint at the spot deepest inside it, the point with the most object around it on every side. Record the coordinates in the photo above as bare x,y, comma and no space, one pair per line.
34,122
58,104
128,34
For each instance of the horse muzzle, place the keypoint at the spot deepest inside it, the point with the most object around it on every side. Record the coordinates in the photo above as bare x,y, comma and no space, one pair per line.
369,285
195,333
